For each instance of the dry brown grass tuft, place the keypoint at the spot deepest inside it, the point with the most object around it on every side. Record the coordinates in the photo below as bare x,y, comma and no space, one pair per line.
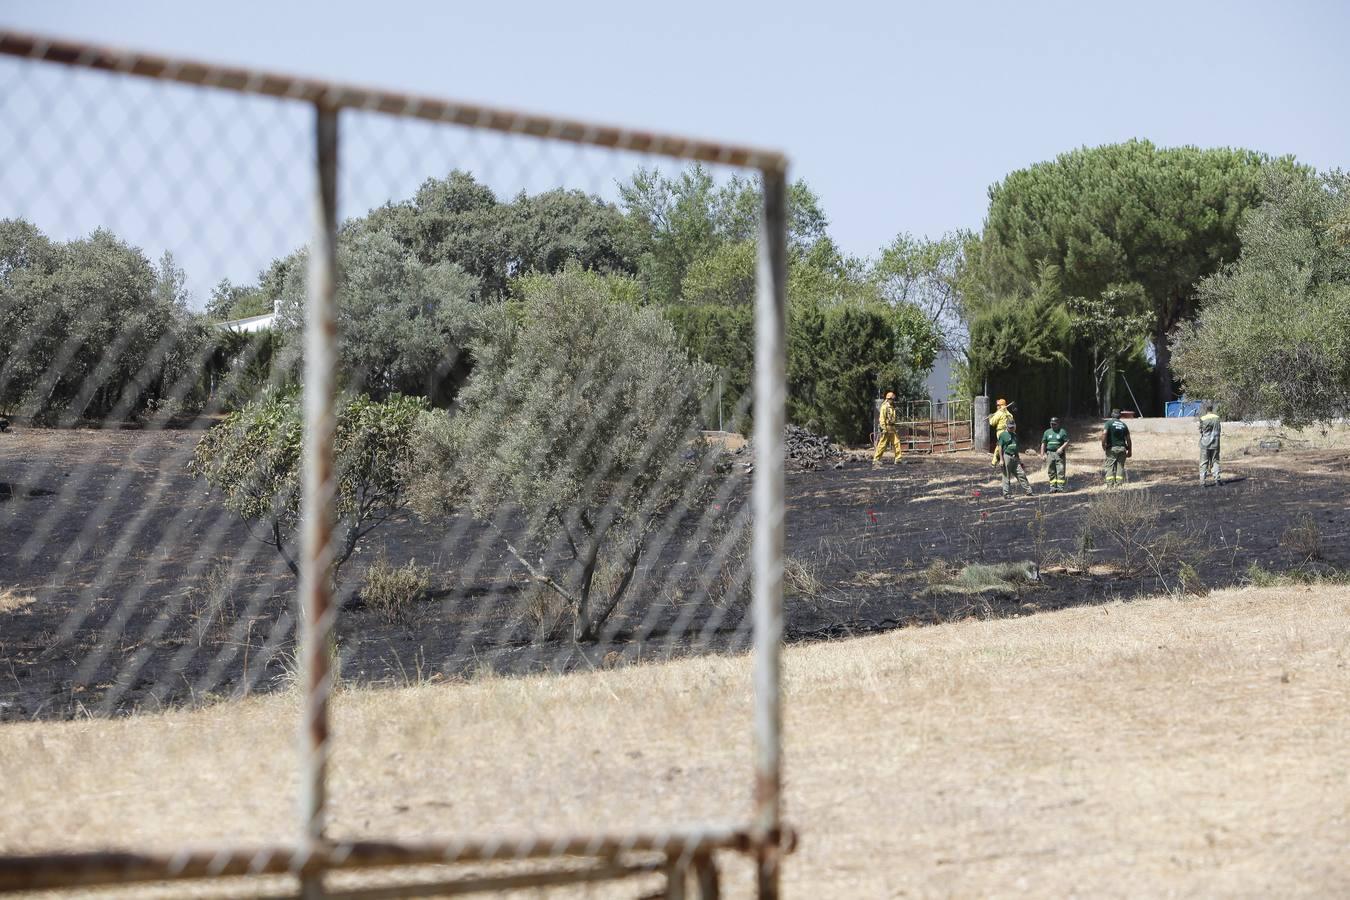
213,605
394,591
13,601
800,579
545,612
1180,747
1304,537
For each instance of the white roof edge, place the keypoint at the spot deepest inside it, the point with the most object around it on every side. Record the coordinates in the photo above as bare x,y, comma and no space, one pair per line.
264,319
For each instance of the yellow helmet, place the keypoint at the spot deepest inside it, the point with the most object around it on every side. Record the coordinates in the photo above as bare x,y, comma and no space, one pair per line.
890,395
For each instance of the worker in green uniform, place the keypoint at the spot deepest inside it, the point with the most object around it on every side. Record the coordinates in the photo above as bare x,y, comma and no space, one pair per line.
1012,463
1209,444
1054,442
1116,443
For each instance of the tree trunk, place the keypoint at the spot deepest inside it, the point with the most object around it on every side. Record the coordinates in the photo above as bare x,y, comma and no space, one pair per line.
582,627
1162,364
1097,379
1173,312
281,548
1068,393
1108,387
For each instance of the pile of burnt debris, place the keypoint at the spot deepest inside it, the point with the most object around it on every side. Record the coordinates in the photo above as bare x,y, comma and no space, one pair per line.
805,451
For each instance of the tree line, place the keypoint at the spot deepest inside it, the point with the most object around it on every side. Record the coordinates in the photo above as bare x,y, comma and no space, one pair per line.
1090,269
1118,275
89,328
417,279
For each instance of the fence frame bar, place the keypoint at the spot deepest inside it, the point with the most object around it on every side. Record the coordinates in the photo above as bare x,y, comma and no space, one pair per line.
395,103
602,871
85,869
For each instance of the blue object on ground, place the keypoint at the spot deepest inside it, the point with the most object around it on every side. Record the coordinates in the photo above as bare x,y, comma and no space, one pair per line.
1180,409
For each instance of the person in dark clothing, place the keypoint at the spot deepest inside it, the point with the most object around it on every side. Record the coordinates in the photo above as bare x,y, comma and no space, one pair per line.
1116,443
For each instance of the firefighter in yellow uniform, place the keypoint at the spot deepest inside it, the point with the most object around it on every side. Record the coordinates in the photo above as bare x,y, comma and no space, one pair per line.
887,436
999,420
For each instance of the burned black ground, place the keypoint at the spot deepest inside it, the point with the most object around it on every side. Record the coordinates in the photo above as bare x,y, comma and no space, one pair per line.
116,545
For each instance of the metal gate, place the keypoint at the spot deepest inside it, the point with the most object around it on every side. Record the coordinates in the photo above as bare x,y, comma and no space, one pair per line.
934,426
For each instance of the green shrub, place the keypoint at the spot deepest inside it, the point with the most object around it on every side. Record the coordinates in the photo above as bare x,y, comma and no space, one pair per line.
603,406
1259,576
253,459
1190,582
841,355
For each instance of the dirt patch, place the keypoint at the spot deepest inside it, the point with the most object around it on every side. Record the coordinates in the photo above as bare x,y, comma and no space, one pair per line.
125,556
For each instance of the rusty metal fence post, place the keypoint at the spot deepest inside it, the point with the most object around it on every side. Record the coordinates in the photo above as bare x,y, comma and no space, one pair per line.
318,515
770,421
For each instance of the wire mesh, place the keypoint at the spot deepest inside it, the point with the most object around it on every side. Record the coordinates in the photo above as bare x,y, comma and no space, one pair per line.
522,487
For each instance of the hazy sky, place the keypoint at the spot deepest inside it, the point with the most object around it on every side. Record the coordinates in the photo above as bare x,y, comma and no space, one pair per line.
900,115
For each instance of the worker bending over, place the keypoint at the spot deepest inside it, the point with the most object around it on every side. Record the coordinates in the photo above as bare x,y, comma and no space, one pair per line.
1000,420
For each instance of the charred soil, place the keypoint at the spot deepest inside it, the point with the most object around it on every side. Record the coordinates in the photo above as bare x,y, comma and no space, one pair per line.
122,554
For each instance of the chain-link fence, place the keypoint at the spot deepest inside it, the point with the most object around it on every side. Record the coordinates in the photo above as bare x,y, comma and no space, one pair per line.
359,411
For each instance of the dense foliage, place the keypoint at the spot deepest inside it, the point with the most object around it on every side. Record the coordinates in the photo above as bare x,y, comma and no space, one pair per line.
1132,225
416,277
90,329
1273,335
402,323
459,221
841,355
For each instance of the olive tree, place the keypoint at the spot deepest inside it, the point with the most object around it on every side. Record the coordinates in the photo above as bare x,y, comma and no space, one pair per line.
1273,335
402,323
253,458
582,417
90,329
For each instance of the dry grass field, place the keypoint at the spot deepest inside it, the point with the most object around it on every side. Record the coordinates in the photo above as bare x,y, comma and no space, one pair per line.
1162,747
1241,440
